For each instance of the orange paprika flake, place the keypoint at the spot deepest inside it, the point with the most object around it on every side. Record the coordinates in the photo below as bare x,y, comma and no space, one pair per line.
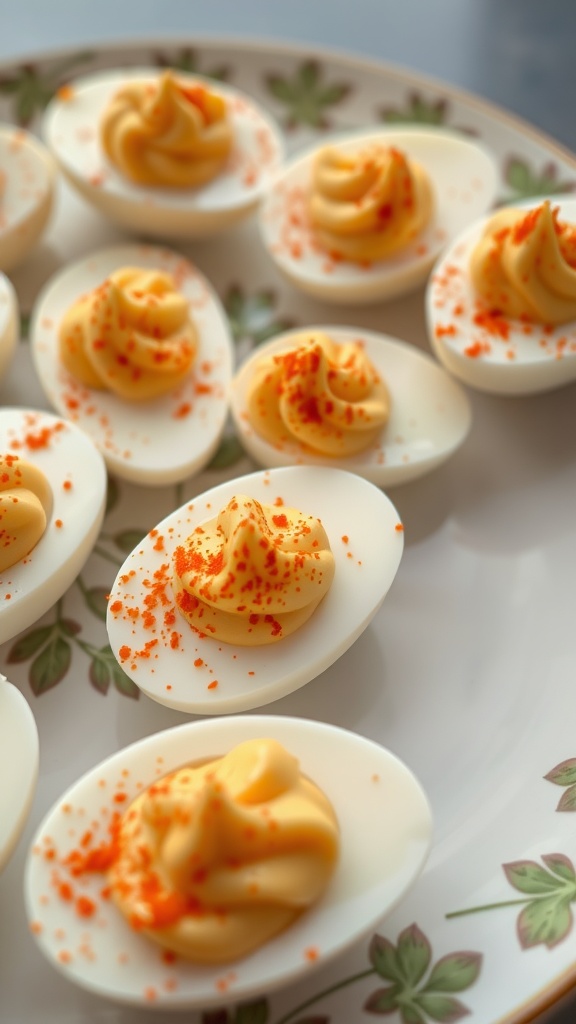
85,907
493,322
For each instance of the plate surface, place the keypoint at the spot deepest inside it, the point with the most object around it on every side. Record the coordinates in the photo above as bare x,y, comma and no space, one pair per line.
467,671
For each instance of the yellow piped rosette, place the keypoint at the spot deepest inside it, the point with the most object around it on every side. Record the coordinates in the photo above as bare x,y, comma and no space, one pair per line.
214,860
25,504
524,266
325,395
368,205
168,133
132,335
253,574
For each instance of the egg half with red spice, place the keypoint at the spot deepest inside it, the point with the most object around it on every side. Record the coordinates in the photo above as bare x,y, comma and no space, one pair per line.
177,665
428,417
155,440
71,128
75,493
83,934
482,345
463,180
8,323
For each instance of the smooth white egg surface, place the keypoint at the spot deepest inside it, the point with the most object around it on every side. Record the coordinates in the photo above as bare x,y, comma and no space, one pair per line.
27,182
71,130
464,180
18,763
153,442
492,352
176,666
385,829
8,323
76,474
429,416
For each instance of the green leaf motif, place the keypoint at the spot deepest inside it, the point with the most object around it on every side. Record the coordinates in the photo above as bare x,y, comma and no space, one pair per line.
563,774
28,644
32,89
228,454
125,686
415,996
252,1013
70,627
567,801
24,326
383,1000
527,182
411,1014
187,60
99,675
445,1009
97,601
454,972
414,955
562,866
253,317
527,876
417,110
112,494
546,921
306,95
216,1017
127,540
313,1020
50,666
382,954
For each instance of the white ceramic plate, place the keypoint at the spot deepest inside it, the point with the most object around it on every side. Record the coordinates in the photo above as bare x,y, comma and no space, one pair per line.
467,672
18,762
371,792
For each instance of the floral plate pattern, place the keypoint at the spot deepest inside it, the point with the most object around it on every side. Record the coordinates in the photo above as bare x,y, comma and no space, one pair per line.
467,671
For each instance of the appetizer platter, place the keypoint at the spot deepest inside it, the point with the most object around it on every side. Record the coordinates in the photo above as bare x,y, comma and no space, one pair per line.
324,474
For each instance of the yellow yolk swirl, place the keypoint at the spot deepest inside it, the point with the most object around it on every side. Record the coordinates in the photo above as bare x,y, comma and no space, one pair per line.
525,265
168,133
213,861
254,574
325,395
132,335
368,205
25,504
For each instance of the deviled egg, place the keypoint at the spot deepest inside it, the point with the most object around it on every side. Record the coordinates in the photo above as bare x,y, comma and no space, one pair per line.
87,939
209,667
126,140
52,496
110,330
27,183
350,398
363,217
520,337
8,323
18,763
